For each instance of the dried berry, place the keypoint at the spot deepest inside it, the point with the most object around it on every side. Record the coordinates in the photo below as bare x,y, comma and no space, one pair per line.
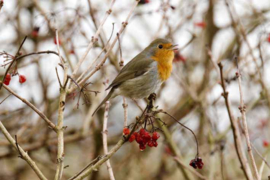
196,163
193,164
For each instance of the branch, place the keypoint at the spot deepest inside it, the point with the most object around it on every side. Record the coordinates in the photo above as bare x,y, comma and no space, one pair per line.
94,39
242,109
49,122
124,24
22,153
236,134
60,129
104,139
14,59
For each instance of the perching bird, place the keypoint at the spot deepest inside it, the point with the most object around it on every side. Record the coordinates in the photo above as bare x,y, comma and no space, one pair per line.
145,73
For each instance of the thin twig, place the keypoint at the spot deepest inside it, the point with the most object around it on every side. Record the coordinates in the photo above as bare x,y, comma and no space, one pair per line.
94,38
242,109
5,98
101,52
58,77
236,133
49,122
93,166
267,164
14,60
124,24
22,153
197,144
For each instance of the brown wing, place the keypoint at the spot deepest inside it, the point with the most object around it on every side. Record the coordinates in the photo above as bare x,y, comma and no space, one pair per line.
136,67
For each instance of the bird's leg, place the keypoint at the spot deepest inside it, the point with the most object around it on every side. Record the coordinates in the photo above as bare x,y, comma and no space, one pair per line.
151,98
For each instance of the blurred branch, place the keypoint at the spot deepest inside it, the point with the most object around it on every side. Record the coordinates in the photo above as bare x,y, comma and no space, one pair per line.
236,134
174,149
13,60
95,164
94,39
59,128
105,138
22,153
51,125
124,24
242,109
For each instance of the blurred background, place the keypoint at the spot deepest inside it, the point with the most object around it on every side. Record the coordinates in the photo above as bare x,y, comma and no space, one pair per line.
207,32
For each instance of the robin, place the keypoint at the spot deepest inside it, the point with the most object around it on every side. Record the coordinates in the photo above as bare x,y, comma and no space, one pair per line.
145,73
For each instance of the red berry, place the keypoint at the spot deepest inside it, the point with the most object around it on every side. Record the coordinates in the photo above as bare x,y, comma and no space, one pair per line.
155,136
150,144
265,143
55,41
126,131
139,139
268,38
72,51
200,24
135,134
146,137
142,131
22,79
142,147
7,79
6,82
132,138
155,144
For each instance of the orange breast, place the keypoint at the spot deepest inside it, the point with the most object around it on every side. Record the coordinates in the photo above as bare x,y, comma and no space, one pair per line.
164,59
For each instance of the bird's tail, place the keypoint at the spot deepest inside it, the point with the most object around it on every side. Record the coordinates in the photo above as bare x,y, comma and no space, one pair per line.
104,100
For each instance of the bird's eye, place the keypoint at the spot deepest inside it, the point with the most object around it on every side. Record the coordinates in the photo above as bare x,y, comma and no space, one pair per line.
160,46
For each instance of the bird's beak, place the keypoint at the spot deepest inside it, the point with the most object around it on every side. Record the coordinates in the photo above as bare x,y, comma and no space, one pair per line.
174,47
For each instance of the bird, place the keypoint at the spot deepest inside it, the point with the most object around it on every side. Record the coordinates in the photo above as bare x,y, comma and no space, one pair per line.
145,73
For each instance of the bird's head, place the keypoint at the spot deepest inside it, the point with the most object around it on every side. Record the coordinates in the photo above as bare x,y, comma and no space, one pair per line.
161,50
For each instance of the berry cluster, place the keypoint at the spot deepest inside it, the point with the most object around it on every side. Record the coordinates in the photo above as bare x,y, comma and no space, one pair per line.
143,138
196,163
7,79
